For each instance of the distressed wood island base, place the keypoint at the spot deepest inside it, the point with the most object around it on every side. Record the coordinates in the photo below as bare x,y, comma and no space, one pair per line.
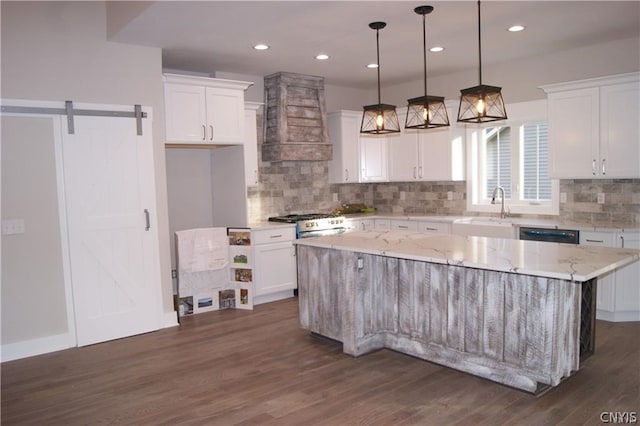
514,328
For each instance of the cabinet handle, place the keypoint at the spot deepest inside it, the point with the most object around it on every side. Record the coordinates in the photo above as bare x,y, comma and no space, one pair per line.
415,176
255,176
420,172
604,166
594,241
276,236
431,229
593,167
346,173
204,132
403,227
622,241
211,128
147,220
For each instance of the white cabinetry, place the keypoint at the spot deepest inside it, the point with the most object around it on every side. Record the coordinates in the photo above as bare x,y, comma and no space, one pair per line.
344,132
593,128
435,227
358,225
202,110
250,145
373,159
404,225
427,155
275,273
618,294
356,157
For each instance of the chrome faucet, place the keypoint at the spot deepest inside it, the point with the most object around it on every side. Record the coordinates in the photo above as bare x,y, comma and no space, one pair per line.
493,200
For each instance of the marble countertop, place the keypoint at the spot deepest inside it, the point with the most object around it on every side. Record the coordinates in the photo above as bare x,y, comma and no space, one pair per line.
516,221
551,260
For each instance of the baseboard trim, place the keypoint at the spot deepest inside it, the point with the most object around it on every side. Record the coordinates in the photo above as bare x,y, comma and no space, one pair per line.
272,297
620,316
170,319
33,347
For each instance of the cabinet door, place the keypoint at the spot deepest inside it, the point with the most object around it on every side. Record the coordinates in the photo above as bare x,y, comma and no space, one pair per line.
250,148
606,284
619,131
275,268
344,132
434,227
185,113
573,133
225,115
373,159
404,225
403,156
435,155
627,294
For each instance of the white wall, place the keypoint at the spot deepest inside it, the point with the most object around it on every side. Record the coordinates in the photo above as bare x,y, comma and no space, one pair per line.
58,51
520,80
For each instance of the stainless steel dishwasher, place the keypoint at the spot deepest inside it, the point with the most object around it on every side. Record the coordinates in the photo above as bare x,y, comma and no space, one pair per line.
552,235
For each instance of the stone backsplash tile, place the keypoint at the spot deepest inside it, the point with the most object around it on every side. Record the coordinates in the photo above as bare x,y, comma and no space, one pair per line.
302,186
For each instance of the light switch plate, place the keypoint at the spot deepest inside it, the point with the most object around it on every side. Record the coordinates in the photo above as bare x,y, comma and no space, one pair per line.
13,226
563,197
600,197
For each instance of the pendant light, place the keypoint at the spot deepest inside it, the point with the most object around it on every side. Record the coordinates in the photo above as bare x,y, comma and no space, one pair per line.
426,112
482,103
380,118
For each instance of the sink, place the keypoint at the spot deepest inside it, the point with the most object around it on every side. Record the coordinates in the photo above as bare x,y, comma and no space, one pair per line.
484,227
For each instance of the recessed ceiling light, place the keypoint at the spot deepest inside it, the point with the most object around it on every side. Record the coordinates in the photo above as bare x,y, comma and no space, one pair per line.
516,28
372,66
436,49
261,47
322,57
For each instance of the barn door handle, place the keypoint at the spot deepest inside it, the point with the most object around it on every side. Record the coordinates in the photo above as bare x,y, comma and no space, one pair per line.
147,220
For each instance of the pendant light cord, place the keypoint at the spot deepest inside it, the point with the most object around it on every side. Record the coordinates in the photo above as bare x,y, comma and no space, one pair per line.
378,59
424,45
479,48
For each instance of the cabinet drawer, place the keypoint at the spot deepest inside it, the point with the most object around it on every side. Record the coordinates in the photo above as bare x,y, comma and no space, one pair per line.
404,225
594,238
382,224
266,236
437,227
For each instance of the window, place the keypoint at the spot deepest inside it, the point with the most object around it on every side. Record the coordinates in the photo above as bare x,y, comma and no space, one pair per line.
513,156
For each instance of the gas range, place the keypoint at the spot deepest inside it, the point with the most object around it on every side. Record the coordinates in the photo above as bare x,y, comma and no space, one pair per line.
313,224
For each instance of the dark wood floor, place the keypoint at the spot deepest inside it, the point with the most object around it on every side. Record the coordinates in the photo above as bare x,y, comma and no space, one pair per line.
241,367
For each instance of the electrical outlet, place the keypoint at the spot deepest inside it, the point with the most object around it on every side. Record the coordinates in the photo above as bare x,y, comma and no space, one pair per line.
403,196
335,197
174,273
563,197
449,195
600,197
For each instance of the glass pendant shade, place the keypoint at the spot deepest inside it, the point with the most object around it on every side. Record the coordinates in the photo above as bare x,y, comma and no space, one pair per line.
481,103
380,118
426,112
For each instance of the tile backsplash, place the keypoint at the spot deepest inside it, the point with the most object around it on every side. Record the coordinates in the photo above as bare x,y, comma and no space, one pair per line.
302,186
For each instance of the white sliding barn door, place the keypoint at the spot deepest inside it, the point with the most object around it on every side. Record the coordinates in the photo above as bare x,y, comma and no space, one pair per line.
113,243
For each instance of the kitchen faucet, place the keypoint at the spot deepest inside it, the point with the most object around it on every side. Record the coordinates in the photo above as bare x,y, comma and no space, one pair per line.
493,200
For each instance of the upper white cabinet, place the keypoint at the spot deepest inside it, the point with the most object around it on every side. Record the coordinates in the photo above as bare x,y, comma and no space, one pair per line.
427,155
201,110
356,157
593,128
250,145
344,133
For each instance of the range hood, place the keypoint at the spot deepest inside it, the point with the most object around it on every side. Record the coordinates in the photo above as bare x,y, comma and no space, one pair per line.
295,124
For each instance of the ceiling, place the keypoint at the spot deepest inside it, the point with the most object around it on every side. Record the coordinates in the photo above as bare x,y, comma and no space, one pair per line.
213,36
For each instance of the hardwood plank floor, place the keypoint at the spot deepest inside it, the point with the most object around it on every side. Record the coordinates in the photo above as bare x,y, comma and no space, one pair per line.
243,368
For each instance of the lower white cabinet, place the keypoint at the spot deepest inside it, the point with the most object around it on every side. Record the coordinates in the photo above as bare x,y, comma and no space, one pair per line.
359,225
404,225
435,227
382,224
618,294
275,273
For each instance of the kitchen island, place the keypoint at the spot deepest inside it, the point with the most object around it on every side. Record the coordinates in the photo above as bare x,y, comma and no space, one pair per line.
520,313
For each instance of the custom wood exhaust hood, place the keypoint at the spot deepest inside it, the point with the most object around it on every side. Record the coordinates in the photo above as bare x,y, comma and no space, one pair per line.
295,125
